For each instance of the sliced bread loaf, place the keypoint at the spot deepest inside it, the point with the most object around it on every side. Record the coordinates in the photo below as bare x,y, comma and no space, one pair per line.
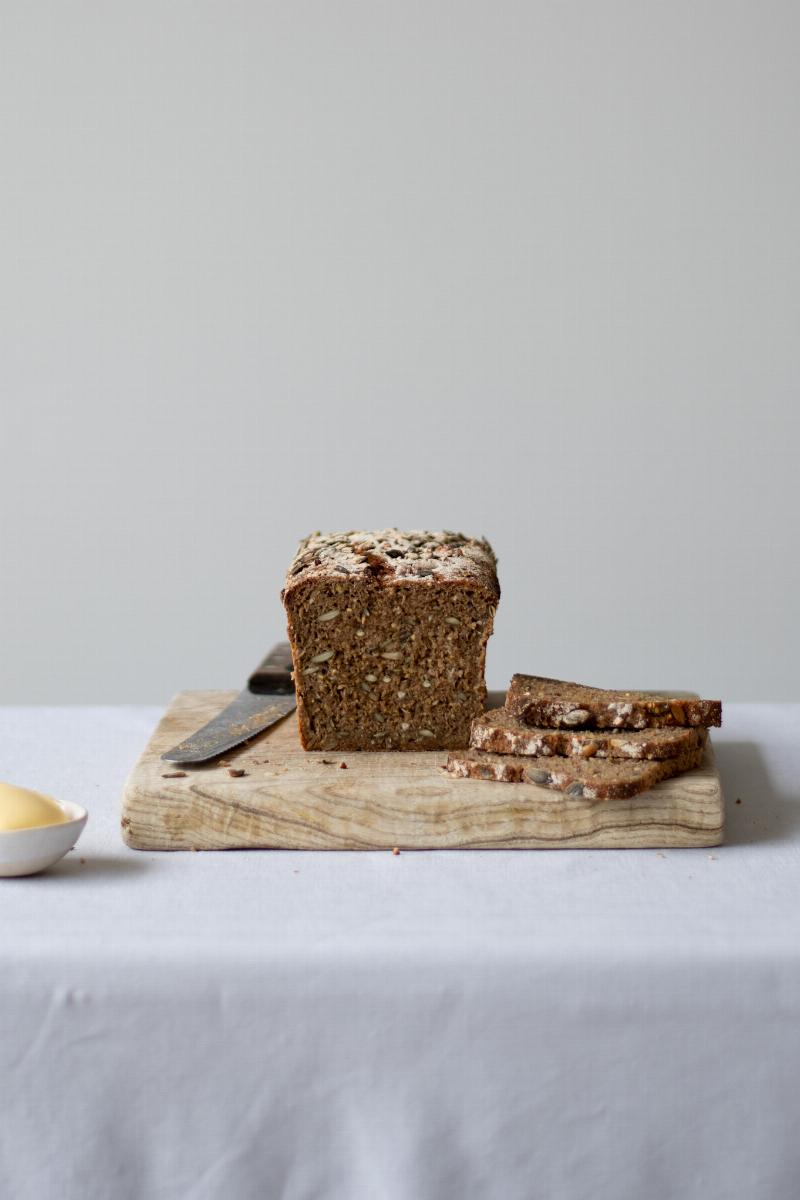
586,779
502,733
553,702
388,631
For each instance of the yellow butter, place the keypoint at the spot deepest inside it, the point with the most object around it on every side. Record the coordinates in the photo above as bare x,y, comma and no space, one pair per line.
20,808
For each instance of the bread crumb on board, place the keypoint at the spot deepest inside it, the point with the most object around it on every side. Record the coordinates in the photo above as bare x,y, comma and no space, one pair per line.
173,775
236,772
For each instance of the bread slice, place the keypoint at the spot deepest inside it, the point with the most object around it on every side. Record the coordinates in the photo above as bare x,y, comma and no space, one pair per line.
552,702
584,779
501,733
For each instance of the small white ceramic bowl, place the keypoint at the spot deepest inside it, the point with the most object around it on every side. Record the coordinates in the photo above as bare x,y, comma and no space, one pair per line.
26,851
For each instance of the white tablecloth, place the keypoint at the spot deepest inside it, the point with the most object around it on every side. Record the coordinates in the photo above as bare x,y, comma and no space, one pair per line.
509,1025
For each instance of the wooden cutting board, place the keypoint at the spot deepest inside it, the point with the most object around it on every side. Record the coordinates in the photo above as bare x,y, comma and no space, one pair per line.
292,799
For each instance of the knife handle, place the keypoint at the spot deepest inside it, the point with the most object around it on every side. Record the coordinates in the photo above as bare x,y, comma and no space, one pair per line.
274,673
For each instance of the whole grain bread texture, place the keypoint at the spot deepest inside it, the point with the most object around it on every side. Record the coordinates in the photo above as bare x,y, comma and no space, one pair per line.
388,631
585,779
554,703
501,733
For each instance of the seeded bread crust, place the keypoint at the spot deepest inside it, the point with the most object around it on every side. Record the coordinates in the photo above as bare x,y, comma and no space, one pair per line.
416,556
538,701
592,779
500,733
388,631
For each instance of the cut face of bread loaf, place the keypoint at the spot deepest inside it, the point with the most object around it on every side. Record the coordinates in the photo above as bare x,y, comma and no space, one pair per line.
585,779
552,702
501,733
388,633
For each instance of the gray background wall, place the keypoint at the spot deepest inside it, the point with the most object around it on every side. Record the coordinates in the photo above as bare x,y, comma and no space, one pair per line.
524,269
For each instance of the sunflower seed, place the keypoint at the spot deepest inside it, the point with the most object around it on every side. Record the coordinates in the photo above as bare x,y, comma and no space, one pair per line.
323,656
576,717
331,615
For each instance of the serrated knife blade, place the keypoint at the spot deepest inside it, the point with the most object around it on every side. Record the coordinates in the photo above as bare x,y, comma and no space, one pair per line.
268,697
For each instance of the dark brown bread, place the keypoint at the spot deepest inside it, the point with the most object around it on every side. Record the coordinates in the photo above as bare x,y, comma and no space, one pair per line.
498,731
553,702
388,633
584,779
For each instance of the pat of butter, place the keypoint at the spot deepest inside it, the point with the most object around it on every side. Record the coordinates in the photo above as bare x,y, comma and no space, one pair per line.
20,808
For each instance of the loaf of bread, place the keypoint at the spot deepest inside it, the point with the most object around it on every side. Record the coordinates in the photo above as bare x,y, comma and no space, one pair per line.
586,779
501,733
552,702
388,633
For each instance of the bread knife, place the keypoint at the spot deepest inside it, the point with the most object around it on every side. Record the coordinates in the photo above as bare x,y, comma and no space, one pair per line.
268,697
